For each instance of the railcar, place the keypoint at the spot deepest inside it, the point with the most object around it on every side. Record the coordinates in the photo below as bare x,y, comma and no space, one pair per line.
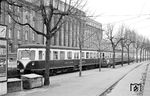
31,58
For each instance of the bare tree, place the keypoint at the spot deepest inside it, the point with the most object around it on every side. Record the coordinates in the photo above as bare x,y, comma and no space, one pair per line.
48,10
136,44
97,43
146,49
81,44
99,39
114,40
142,44
121,31
96,34
128,40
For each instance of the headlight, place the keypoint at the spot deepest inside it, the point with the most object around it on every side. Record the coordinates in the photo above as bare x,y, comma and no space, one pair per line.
32,63
22,70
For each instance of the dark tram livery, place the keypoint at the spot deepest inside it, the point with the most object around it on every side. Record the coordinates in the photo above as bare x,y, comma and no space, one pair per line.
30,58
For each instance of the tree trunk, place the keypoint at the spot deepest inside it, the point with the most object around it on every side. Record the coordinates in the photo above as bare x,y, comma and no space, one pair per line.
145,55
141,55
128,55
46,75
122,56
136,55
100,62
80,65
148,55
133,55
114,58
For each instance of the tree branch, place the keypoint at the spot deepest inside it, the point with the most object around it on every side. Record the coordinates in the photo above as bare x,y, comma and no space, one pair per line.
58,28
27,24
58,22
11,3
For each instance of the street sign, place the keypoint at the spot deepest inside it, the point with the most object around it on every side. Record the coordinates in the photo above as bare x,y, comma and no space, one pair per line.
2,31
3,53
3,59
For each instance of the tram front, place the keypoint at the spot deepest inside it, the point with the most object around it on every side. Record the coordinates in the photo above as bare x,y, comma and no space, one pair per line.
24,56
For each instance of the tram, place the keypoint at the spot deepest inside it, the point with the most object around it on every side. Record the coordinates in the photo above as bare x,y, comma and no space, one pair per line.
31,58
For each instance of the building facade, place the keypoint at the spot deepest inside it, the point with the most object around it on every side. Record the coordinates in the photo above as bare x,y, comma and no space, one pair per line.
67,36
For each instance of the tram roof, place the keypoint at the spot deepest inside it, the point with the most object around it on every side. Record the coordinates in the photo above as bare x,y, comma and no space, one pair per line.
53,47
32,46
61,47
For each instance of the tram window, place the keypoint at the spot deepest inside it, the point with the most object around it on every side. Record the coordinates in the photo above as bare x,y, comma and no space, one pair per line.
32,55
103,54
98,55
55,55
62,55
40,55
94,55
24,54
76,55
91,54
69,55
87,55
82,54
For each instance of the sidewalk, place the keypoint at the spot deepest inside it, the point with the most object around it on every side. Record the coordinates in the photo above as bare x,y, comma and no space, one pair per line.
92,83
147,83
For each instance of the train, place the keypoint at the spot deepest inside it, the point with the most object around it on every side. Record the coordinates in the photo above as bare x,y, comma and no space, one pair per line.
31,59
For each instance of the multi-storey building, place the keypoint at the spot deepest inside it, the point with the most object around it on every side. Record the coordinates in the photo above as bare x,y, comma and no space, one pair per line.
66,36
93,34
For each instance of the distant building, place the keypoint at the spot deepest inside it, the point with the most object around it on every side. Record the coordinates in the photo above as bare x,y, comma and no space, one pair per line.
93,34
66,36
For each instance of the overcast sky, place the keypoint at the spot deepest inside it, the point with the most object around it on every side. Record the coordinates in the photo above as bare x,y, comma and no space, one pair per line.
133,13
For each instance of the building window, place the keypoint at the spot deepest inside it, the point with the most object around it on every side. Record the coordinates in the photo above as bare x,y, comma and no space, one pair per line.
26,35
33,36
9,33
10,47
18,34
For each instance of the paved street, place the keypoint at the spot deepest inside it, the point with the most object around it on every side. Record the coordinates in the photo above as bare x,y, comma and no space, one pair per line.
123,86
92,83
147,84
